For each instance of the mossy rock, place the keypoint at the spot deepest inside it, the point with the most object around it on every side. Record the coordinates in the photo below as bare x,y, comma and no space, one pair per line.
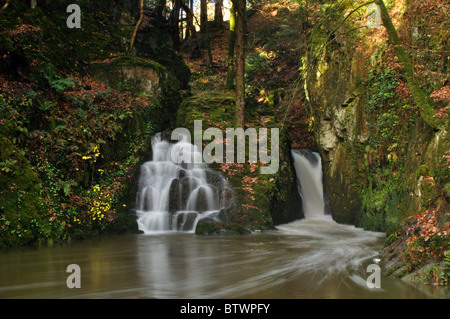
207,226
216,108
210,227
125,222
285,202
154,41
149,79
428,274
400,271
134,75
19,197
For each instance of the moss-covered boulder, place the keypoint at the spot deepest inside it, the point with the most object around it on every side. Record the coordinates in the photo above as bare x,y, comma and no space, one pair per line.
146,78
262,200
154,41
211,227
21,206
140,77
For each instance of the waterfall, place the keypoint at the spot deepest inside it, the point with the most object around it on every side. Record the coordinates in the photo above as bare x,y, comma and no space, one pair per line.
174,197
308,168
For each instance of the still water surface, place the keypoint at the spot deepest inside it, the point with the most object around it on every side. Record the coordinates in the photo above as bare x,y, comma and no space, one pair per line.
303,259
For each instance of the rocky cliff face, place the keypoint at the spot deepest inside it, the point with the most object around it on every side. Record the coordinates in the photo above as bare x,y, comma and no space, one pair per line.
382,163
336,104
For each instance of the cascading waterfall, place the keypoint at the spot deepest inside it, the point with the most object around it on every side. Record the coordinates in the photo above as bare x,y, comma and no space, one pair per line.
308,168
174,197
338,250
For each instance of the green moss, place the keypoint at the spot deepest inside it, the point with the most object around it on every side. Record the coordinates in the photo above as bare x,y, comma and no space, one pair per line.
215,108
447,190
418,94
429,274
208,227
136,61
21,211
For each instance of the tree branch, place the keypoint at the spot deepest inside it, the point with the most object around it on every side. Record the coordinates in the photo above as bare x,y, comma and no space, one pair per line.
5,6
138,24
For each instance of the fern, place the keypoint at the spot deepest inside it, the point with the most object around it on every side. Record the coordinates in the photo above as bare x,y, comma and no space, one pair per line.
62,84
447,261
45,106
57,82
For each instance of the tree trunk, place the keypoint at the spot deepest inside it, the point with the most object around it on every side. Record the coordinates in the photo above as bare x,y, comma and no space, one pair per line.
141,17
208,47
160,6
203,15
426,111
218,15
175,22
240,62
231,72
190,29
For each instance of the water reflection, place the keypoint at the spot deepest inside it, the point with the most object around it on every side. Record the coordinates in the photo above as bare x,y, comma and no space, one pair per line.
306,259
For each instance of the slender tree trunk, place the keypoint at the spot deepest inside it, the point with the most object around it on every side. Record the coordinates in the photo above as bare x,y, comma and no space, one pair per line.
208,46
218,15
190,29
203,15
231,72
426,111
138,24
240,62
175,21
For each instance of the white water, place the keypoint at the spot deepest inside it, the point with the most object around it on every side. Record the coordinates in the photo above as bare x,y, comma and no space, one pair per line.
174,197
340,249
308,168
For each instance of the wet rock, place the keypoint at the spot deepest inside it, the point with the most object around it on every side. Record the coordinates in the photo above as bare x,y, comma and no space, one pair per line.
174,196
213,227
214,178
185,221
201,204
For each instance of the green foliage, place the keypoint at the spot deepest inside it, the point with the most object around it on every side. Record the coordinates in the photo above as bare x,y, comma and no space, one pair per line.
55,81
392,238
255,62
382,108
91,138
19,193
71,144
441,170
447,262
47,105
61,84
381,200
